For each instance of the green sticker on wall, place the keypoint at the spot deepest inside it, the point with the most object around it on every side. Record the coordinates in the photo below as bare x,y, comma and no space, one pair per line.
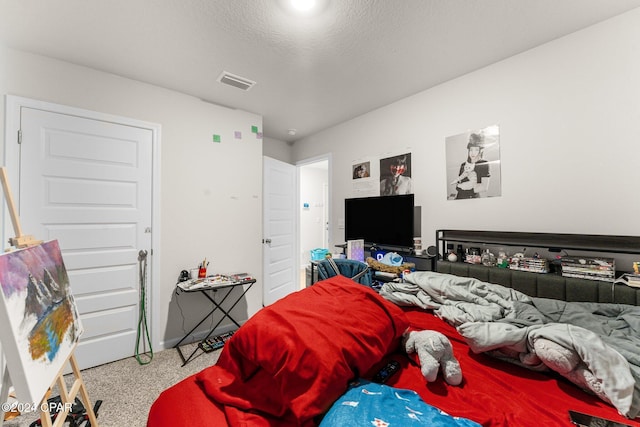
254,129
216,138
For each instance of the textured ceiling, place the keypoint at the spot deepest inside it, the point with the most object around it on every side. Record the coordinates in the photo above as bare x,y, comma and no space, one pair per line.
312,72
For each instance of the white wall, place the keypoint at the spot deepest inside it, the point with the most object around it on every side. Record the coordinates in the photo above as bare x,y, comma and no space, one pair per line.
569,117
277,149
211,193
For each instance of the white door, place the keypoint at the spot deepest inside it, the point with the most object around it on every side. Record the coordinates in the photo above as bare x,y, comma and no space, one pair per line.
279,228
88,184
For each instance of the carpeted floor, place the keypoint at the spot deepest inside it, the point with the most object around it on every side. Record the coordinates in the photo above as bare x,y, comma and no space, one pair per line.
127,389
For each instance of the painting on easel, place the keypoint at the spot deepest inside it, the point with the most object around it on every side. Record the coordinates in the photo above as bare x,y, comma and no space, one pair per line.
44,326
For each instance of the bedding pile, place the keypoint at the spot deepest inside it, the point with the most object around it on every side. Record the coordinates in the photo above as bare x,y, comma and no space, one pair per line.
290,361
596,346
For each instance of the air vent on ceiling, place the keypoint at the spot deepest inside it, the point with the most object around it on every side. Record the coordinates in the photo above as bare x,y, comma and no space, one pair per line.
235,81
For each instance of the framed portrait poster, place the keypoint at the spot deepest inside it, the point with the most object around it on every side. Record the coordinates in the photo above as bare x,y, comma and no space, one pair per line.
473,164
395,175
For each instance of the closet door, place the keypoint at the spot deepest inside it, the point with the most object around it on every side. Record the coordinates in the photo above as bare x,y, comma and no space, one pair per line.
88,184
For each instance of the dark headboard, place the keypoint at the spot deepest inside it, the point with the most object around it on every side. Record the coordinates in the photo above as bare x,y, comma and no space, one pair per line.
545,285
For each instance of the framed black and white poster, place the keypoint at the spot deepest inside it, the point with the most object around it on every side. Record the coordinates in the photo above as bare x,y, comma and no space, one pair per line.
395,175
473,164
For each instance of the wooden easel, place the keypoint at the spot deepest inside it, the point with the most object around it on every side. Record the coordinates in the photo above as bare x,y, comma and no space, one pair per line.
4,396
67,397
21,240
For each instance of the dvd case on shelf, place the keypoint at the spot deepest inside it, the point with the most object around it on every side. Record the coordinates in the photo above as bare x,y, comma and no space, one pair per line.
591,268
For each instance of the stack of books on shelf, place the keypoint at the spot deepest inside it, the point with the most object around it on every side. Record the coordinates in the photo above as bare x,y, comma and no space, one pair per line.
589,268
633,280
629,279
534,265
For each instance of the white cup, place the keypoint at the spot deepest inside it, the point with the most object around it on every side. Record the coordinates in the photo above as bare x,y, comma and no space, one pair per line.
193,273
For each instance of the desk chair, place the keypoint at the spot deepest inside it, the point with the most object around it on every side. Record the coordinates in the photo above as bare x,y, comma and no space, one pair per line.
355,270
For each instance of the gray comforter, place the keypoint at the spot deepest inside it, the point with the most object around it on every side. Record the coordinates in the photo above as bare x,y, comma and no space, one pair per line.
605,338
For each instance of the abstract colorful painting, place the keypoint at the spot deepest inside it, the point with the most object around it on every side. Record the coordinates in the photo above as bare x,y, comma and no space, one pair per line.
41,318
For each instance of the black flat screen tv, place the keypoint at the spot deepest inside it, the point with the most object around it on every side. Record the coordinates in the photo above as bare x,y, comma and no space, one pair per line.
386,221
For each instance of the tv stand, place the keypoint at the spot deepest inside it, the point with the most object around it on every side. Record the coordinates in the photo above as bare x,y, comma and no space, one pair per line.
423,262
399,249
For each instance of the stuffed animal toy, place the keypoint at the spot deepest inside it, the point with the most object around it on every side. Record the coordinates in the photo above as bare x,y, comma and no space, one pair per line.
435,352
468,170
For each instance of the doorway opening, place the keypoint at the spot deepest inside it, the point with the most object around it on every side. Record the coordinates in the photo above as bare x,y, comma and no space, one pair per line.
313,212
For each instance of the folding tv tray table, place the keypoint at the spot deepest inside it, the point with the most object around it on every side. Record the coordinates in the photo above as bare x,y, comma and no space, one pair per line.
204,286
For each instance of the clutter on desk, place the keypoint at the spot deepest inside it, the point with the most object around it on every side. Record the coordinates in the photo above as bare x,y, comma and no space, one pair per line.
213,281
355,249
318,254
206,282
184,276
378,266
392,258
240,277
417,245
202,269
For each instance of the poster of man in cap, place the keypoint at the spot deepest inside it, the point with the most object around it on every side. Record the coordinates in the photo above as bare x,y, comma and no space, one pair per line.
473,164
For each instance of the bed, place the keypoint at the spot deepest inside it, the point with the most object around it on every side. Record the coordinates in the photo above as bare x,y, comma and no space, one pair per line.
290,362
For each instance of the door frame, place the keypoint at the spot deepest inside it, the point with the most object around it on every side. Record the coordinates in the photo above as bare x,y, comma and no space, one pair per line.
300,164
13,105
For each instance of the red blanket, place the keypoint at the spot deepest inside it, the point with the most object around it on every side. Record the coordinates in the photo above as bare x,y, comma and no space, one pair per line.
496,393
291,360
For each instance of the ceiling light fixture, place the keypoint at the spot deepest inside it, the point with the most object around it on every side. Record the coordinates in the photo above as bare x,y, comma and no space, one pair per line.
292,132
303,5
